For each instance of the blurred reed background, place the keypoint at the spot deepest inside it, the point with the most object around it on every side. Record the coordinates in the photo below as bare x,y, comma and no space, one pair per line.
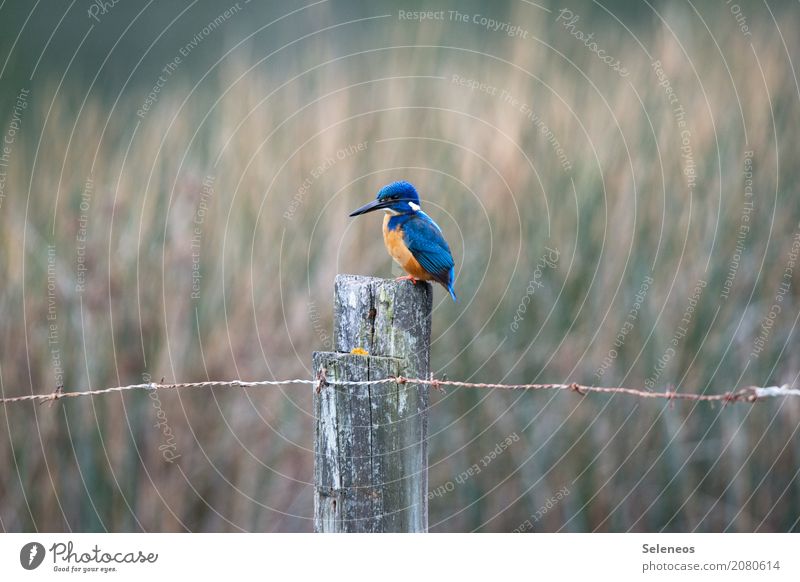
216,221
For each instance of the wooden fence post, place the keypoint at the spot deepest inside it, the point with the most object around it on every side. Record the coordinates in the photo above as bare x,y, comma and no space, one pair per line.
370,441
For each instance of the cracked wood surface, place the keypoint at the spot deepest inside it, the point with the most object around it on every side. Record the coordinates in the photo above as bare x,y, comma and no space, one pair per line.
370,441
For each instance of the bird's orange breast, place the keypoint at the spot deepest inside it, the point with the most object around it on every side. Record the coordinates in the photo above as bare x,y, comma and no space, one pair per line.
393,239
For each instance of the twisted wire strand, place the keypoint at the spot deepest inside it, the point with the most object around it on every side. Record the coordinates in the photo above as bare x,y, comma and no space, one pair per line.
747,394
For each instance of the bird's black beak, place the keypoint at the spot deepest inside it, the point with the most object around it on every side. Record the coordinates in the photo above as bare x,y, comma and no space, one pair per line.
374,205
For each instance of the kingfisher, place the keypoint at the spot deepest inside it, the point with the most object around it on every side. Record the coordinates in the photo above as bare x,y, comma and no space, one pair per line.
413,239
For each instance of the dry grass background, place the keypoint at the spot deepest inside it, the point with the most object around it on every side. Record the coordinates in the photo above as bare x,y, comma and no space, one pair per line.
494,183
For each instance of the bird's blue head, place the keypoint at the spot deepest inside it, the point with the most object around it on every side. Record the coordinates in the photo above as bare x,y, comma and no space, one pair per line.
398,198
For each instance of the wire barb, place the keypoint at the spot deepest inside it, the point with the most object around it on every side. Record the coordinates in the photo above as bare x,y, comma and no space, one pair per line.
57,393
322,380
575,387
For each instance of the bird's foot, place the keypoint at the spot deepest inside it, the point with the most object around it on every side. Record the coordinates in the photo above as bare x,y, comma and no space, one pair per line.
407,278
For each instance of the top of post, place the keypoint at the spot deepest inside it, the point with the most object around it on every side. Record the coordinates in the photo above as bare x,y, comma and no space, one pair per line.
384,317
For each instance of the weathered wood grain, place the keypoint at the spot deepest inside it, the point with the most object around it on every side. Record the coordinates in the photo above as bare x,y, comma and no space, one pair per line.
370,445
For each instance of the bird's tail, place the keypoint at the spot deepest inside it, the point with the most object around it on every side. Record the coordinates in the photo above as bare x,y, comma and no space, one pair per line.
452,293
451,280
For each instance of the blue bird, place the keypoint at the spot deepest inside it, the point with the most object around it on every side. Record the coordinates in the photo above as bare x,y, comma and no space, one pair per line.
412,238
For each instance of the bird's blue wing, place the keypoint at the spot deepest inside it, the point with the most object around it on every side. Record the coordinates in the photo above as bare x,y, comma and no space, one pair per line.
424,239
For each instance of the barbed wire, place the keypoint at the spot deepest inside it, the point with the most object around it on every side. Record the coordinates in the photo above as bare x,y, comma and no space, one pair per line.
747,394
